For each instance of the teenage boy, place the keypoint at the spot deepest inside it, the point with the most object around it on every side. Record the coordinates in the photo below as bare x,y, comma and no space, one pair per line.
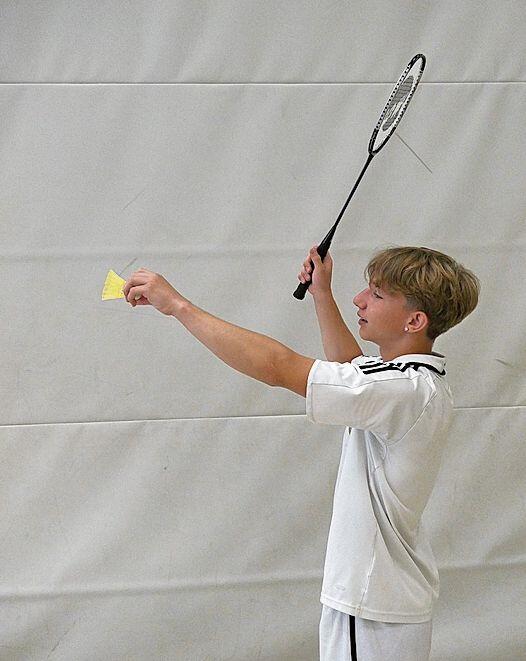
380,578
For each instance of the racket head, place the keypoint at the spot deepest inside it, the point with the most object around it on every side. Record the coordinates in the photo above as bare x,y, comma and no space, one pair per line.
397,103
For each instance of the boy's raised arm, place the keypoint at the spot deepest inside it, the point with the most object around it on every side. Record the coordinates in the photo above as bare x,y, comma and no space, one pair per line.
338,341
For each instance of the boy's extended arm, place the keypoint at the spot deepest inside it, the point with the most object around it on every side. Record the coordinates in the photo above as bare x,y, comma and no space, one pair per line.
338,341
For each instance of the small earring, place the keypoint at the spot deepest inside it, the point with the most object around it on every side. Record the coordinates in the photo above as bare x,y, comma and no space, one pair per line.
406,328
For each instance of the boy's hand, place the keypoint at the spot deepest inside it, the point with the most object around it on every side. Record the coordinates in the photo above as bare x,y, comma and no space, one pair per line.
322,274
153,289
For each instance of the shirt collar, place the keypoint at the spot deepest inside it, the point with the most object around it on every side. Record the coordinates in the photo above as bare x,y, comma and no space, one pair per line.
434,359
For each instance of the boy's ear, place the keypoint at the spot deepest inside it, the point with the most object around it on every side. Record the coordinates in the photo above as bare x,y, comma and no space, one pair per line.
418,321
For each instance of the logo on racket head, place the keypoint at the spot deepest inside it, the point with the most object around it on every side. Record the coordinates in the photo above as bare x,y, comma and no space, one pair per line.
397,103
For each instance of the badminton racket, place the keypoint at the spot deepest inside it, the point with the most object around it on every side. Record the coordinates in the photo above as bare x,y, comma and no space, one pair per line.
389,119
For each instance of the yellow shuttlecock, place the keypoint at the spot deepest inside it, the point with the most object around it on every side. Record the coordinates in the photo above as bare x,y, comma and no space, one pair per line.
113,287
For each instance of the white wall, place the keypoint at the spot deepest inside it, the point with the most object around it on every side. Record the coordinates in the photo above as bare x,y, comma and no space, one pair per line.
157,504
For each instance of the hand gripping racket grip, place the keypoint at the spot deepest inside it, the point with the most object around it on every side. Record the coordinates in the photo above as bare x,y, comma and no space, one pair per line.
301,290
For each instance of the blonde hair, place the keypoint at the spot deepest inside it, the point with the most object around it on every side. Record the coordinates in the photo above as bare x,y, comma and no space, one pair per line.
431,282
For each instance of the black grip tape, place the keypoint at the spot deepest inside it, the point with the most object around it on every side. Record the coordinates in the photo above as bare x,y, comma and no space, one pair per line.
301,289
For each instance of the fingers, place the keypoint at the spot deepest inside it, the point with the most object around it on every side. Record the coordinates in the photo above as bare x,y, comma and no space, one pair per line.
307,262
314,255
127,286
139,277
304,274
132,294
303,277
312,261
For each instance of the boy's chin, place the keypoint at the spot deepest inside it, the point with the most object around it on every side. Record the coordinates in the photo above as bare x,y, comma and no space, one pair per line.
365,333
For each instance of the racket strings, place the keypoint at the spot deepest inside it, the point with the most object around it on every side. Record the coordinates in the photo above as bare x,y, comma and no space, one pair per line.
397,103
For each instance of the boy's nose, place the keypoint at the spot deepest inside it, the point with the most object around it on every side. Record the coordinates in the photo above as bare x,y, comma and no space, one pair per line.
359,299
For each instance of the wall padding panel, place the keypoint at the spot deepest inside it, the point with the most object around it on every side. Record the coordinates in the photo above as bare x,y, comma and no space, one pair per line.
157,504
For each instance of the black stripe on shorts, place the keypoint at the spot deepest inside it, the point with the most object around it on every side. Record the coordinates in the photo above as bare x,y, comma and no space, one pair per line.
352,628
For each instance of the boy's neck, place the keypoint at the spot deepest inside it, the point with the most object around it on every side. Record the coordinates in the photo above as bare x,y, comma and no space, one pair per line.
407,346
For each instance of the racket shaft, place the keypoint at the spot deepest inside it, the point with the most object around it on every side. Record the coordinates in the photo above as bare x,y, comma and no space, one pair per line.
324,246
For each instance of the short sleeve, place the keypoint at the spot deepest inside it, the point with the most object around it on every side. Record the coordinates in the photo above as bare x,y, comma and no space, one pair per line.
387,402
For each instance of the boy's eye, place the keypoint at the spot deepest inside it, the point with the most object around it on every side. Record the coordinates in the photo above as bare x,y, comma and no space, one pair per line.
376,294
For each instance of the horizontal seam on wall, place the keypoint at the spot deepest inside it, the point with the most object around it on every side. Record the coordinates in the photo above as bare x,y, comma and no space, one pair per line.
225,583
213,251
188,585
262,83
225,417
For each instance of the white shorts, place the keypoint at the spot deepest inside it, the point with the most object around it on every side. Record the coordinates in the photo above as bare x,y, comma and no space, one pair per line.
344,637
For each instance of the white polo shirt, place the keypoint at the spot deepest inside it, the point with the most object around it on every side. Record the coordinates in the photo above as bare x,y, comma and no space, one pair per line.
379,564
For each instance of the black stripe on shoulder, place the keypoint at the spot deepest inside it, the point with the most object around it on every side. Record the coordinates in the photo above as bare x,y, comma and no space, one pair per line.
385,367
401,367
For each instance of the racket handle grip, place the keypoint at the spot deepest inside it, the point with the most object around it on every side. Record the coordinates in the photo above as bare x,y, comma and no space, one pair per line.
301,290
323,249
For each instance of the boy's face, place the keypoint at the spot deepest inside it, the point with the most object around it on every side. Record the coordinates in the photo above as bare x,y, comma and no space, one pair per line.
384,315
